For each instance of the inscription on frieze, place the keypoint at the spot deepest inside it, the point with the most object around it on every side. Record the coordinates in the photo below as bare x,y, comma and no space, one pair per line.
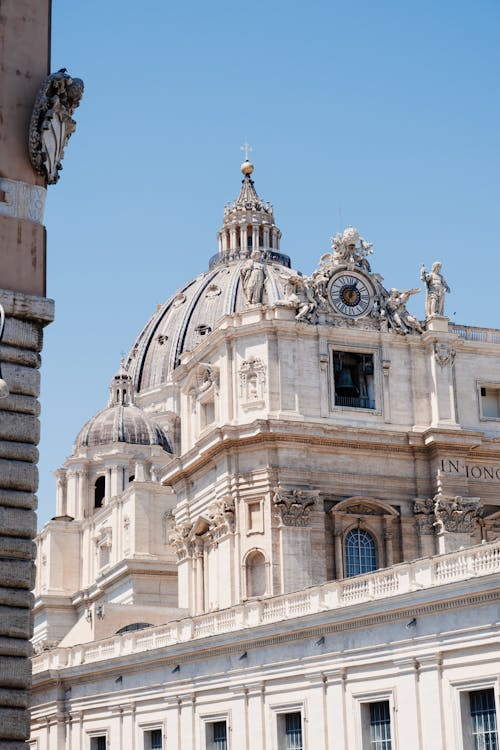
456,466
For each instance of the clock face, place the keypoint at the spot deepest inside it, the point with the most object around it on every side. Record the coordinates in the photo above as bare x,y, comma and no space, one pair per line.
350,294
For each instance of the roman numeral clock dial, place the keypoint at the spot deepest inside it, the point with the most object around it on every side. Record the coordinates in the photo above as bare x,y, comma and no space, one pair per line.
350,294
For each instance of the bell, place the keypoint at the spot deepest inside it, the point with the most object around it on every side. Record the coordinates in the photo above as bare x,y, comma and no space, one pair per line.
345,384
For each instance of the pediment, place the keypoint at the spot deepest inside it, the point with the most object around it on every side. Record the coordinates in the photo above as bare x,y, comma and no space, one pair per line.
365,506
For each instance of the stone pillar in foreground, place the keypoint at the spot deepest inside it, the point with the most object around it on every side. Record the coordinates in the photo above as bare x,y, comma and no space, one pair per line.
35,125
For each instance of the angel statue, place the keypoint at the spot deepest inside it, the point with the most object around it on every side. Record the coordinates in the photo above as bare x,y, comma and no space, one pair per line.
394,309
436,289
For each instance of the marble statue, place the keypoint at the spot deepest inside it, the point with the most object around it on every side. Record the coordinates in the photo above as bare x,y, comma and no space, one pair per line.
436,289
398,317
299,292
252,279
346,252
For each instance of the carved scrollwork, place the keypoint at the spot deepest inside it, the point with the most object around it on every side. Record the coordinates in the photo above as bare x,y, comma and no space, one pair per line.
221,517
51,124
457,514
181,539
293,506
423,510
444,353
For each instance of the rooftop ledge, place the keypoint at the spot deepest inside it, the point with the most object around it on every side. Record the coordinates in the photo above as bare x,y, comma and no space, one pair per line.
404,578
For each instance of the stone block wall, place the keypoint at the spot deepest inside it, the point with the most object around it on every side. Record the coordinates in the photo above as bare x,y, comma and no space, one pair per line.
26,315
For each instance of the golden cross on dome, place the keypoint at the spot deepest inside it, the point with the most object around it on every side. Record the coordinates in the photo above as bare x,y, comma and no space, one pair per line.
246,148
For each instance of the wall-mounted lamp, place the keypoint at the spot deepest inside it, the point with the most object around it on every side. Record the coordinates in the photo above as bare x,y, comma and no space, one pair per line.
320,641
243,655
176,668
99,611
88,615
119,679
411,624
4,388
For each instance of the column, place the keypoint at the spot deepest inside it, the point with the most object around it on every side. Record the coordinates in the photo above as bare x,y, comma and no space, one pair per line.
430,699
243,241
389,556
61,498
266,238
255,238
200,604
407,712
335,718
337,537
232,239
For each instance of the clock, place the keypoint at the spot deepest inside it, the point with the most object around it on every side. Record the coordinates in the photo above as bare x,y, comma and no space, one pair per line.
350,294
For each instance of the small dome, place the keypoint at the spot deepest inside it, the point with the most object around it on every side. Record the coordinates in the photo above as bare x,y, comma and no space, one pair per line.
121,424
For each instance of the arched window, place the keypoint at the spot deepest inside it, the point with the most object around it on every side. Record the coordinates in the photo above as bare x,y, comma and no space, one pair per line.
99,491
256,574
360,552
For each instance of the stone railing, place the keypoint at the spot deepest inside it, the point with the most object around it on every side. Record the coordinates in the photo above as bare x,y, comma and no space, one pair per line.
382,584
485,335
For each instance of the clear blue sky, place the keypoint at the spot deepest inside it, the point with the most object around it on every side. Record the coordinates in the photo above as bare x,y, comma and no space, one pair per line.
384,115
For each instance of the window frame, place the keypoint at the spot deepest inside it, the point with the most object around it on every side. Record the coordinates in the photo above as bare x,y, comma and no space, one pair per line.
353,348
370,533
362,716
278,713
207,722
463,723
146,729
491,385
97,734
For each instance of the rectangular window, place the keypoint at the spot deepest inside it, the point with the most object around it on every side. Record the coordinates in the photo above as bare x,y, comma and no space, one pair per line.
293,731
380,726
219,729
153,740
98,743
483,719
490,402
353,378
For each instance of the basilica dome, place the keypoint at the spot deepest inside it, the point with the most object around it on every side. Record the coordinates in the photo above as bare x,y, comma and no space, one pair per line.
248,241
121,421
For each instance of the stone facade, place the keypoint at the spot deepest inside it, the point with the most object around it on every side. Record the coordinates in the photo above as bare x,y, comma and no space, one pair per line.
315,534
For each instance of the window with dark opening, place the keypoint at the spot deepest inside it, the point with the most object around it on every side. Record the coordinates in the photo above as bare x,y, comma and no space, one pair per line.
360,552
99,491
353,380
483,718
380,726
293,731
219,735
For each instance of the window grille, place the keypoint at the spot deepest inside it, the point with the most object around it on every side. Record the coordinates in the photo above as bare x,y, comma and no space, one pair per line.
220,735
156,740
360,552
484,722
380,726
293,731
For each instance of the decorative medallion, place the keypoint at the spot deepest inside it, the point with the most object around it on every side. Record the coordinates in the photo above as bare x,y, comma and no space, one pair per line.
51,124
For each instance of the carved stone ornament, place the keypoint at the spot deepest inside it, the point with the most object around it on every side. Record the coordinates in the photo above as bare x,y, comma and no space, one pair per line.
293,506
424,516
343,291
362,510
221,517
444,353
457,514
253,276
51,124
252,380
181,539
